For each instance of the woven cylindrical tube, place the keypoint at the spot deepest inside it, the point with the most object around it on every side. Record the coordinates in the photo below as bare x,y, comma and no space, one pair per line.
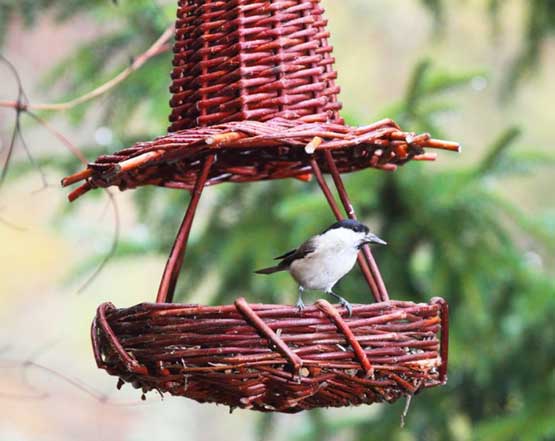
272,357
241,60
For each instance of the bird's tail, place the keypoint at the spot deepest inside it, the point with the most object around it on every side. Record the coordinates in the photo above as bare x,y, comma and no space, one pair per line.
270,270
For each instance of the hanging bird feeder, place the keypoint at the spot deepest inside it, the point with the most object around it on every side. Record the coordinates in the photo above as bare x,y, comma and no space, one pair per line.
254,98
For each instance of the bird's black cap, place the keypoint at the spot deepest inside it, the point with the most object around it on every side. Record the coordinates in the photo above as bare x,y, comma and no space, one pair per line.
350,224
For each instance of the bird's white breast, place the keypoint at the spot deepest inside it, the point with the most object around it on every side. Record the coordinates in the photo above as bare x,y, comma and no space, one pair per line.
334,256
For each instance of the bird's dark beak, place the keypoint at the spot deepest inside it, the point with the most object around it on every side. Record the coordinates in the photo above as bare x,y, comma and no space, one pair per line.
372,238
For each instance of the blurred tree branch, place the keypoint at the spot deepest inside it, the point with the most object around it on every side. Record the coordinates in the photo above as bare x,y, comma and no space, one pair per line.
159,46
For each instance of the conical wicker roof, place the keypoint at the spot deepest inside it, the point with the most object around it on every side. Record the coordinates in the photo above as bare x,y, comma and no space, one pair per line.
253,81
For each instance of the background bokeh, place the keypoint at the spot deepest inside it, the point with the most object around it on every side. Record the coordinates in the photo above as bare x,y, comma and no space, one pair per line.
476,228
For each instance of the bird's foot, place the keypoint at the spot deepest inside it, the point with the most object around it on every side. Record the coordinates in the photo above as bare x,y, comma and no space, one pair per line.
300,303
347,306
342,302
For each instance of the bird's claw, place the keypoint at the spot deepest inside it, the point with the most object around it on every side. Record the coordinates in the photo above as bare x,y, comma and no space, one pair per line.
300,305
342,302
347,306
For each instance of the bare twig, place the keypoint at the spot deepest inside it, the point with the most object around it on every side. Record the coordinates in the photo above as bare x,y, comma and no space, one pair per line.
11,225
158,47
35,164
66,142
406,410
74,382
113,247
21,106
18,106
10,148
23,366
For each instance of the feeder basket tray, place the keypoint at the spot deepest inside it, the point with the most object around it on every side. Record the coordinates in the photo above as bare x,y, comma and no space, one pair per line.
273,357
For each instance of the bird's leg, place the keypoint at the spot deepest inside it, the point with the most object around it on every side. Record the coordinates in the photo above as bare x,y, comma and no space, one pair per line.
300,303
342,301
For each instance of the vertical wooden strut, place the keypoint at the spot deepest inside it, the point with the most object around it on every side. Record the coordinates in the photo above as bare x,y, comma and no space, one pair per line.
337,213
173,265
376,275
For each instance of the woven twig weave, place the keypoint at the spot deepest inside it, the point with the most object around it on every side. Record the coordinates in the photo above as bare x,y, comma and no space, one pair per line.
241,60
273,358
249,151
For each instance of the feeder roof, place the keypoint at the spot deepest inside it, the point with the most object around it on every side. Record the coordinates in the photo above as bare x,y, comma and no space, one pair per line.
253,83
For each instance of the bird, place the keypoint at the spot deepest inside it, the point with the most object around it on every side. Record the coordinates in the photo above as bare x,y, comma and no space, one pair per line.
321,261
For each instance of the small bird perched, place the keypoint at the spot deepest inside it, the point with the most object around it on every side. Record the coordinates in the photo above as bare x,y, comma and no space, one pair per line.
320,262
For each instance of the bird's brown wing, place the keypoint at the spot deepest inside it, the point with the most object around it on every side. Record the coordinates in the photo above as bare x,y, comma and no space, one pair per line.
305,249
287,254
289,257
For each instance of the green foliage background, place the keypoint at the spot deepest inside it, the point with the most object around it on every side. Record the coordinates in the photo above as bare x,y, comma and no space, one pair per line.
450,232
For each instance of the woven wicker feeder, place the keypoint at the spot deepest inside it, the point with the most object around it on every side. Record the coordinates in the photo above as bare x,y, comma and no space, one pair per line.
254,98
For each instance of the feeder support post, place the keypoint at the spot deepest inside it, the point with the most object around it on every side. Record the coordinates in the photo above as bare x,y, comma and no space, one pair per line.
337,213
175,261
349,209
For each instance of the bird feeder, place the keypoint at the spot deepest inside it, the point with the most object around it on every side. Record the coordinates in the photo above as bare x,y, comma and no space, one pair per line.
254,98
